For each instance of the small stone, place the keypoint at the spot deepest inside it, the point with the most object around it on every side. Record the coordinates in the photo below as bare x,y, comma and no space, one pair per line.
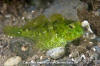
91,42
77,60
23,18
97,13
96,49
33,11
83,56
70,61
97,62
24,48
46,60
12,61
8,16
11,37
85,24
41,57
56,52
74,54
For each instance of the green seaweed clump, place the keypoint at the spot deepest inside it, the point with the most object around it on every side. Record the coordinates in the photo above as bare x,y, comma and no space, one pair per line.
49,32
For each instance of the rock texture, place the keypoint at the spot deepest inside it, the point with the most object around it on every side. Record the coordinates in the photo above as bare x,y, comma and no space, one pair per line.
92,19
12,61
56,52
67,8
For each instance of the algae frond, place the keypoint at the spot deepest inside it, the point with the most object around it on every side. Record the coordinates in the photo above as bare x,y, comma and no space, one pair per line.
49,32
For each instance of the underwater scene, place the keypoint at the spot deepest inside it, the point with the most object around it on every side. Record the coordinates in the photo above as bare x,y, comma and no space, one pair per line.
49,33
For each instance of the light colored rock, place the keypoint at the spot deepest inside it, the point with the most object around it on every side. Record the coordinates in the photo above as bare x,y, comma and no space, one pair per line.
88,31
12,61
86,24
56,52
8,15
96,49
97,12
74,54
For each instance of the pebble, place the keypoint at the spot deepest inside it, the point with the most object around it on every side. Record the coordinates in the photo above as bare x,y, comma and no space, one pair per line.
69,61
8,15
97,13
74,54
12,61
56,52
77,60
96,49
85,24
46,61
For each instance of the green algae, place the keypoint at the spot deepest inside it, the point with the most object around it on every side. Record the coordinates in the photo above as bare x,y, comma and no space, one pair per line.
49,32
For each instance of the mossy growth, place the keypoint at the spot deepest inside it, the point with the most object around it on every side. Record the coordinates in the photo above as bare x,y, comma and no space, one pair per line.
49,32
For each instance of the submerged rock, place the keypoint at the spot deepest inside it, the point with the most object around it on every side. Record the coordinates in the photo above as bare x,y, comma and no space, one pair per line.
96,49
12,61
88,31
56,52
97,62
67,8
97,13
22,47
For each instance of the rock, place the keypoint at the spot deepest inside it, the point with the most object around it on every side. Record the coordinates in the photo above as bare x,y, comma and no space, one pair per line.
77,60
96,49
97,39
8,16
42,3
82,6
68,8
94,56
97,62
12,61
97,13
86,25
56,52
30,9
88,31
80,64
22,47
46,60
69,61
74,54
